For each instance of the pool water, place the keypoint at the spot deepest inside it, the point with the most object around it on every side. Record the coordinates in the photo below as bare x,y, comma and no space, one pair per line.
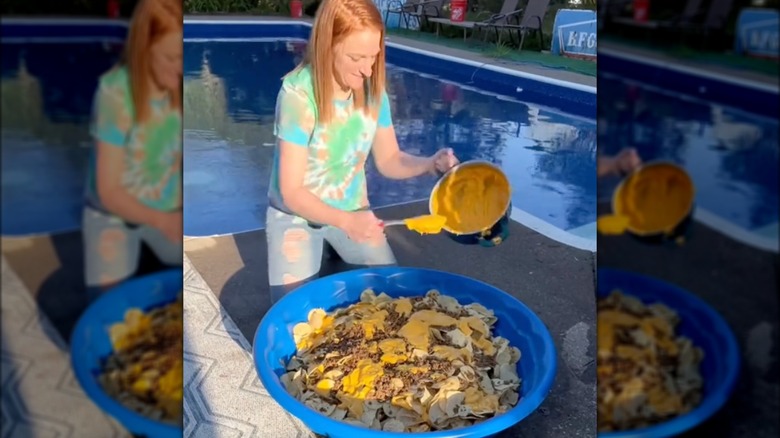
731,155
47,92
230,90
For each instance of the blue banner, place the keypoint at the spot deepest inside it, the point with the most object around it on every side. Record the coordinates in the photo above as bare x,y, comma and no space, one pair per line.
574,33
757,33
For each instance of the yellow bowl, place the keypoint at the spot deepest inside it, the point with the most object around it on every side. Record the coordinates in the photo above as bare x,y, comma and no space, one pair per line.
655,199
473,196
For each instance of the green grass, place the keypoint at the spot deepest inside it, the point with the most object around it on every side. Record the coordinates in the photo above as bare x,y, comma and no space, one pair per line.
503,52
452,37
704,58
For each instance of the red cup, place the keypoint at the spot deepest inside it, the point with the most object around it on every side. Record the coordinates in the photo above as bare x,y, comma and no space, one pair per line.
296,8
641,10
112,7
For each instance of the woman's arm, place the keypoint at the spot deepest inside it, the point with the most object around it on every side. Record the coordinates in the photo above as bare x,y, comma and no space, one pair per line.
605,166
390,160
394,163
626,161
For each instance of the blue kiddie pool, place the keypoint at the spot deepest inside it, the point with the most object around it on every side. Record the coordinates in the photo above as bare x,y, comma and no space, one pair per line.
273,343
720,366
90,344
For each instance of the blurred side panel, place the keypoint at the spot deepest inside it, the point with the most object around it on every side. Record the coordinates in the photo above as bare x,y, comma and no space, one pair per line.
689,92
58,310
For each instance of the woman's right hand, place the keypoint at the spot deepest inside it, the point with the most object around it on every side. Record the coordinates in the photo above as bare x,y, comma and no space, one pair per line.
362,226
627,160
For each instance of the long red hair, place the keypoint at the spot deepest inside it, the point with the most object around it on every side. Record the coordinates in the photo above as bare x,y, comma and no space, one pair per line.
152,20
335,20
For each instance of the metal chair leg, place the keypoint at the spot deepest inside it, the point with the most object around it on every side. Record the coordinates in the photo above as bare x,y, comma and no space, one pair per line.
541,40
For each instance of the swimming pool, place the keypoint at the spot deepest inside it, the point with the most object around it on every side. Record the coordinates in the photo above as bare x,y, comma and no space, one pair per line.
483,112
49,75
727,142
539,138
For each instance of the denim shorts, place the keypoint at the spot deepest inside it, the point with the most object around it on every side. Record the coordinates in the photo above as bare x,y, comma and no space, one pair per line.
295,251
112,248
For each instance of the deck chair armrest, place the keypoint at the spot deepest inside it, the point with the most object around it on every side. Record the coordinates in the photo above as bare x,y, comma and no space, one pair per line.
495,17
682,20
435,8
516,15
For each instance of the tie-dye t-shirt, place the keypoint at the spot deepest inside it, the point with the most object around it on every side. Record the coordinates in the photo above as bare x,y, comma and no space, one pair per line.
153,149
335,171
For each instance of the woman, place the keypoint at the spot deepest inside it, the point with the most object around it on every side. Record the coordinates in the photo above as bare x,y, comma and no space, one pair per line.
332,111
134,187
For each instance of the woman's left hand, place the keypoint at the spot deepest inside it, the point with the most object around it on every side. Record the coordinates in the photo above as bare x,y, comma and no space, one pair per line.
444,160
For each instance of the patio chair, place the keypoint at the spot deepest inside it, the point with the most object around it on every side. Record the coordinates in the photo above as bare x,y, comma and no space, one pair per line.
426,10
508,11
401,9
692,12
531,22
716,18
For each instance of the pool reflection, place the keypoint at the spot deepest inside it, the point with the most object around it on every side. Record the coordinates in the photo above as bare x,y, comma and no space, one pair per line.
731,155
47,92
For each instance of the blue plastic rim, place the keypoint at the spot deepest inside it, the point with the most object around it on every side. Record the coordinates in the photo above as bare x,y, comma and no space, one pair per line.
273,342
90,344
720,366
